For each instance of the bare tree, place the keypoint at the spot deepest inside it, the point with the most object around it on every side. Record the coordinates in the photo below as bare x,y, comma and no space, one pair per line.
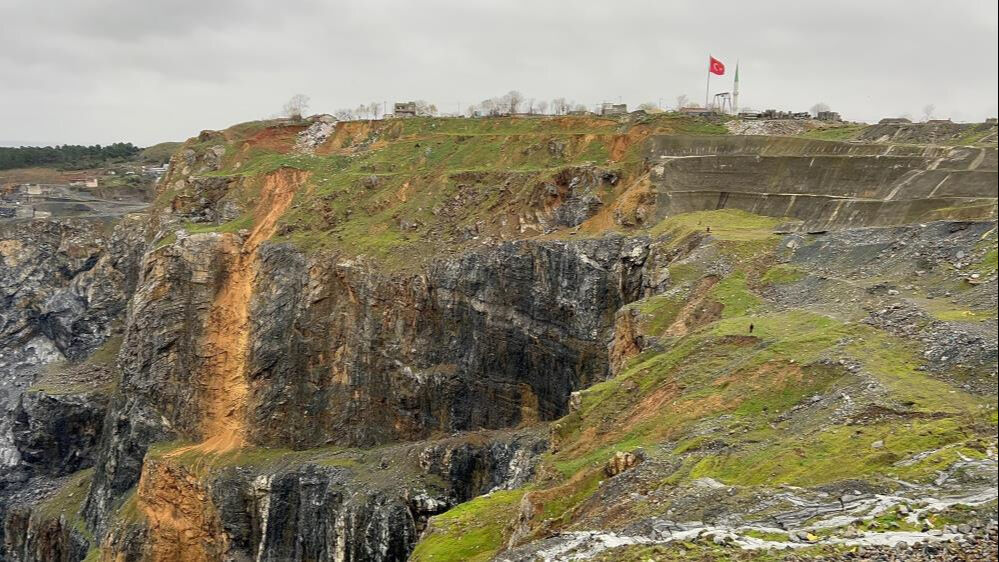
513,100
425,108
296,106
928,110
821,106
681,101
542,107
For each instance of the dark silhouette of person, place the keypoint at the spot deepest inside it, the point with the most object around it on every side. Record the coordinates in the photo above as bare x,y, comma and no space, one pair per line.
709,229
750,328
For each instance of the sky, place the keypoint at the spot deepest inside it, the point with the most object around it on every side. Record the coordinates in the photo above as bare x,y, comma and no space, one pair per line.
101,71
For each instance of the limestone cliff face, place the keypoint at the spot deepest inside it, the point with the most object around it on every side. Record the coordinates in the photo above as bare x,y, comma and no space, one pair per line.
176,289
339,353
65,285
32,540
233,342
349,506
490,339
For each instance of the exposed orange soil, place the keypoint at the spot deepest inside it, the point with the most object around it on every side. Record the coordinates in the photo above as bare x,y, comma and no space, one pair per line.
770,375
533,503
225,341
629,197
276,139
653,404
625,344
528,405
699,310
182,522
621,143
348,134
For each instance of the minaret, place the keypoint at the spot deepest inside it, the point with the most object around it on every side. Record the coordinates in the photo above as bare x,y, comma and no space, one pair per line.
735,90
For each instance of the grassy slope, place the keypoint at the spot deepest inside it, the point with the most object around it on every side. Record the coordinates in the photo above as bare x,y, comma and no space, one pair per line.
719,385
472,531
441,176
65,505
974,134
398,189
159,153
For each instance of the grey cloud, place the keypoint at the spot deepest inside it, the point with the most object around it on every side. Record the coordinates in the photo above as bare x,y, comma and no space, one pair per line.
107,70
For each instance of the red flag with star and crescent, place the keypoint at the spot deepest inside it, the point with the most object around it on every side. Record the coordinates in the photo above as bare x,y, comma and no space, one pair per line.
716,66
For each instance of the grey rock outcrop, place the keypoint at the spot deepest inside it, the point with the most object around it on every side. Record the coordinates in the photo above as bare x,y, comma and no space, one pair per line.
489,339
65,285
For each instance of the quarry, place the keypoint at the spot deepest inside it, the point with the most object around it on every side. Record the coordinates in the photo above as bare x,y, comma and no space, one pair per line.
629,336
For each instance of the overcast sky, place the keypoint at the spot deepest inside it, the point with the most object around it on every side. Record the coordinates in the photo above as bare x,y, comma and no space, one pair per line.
99,71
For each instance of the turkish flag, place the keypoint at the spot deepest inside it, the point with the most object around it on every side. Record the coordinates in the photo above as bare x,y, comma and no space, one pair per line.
716,66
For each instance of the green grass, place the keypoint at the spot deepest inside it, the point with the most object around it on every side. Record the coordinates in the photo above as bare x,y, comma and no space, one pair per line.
711,374
128,511
269,458
725,224
733,294
658,312
414,177
783,274
565,498
842,133
727,404
989,264
475,168
836,453
473,531
67,502
962,315
772,536
707,375
235,225
973,135
64,377
681,273
159,153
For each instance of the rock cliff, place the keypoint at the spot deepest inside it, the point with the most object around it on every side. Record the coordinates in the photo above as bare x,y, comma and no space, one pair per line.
449,339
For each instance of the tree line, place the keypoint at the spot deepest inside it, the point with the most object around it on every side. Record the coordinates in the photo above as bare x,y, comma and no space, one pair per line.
66,156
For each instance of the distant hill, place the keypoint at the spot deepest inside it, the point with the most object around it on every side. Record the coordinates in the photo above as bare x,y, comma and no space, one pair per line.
67,156
158,153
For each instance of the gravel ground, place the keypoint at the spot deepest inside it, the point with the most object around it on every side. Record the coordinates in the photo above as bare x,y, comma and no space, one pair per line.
965,549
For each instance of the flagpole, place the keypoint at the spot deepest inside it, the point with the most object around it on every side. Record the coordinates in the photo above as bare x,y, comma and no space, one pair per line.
707,85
